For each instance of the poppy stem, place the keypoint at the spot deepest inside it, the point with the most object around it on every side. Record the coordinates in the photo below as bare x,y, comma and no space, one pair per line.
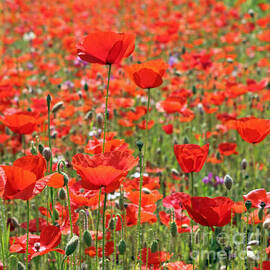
98,217
106,108
27,237
103,232
192,184
69,211
49,99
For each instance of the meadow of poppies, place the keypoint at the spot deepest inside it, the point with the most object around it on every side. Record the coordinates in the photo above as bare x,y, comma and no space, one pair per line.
135,135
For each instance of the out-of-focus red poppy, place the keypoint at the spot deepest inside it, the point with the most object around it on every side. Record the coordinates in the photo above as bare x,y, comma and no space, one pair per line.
148,74
265,266
253,217
49,238
179,266
106,48
210,211
104,170
257,197
252,129
21,122
227,149
175,200
168,129
109,248
155,258
191,157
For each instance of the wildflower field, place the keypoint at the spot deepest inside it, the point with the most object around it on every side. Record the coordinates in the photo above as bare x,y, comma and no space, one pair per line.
135,135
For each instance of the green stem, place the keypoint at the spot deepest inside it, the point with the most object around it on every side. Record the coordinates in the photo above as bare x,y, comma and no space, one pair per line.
103,232
27,238
106,108
192,184
69,211
49,127
98,217
146,130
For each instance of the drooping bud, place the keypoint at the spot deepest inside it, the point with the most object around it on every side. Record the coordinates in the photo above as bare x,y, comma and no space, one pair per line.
72,245
88,116
99,118
122,247
40,148
186,140
244,164
57,106
228,182
21,266
146,190
47,153
266,223
62,194
154,246
87,238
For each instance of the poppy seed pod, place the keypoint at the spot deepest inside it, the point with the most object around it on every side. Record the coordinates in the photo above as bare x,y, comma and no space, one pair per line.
139,145
57,106
47,153
62,194
228,181
72,245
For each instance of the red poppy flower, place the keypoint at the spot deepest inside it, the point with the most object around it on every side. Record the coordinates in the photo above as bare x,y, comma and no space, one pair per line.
252,129
210,211
106,48
175,200
168,129
191,157
49,238
155,258
109,248
179,266
148,74
104,170
258,196
265,266
227,149
21,122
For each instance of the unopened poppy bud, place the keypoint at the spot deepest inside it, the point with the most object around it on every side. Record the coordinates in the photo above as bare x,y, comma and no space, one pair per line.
175,172
244,164
20,266
72,245
248,204
146,190
173,229
186,140
260,213
139,145
62,194
57,106
49,100
228,182
87,238
99,119
121,201
122,247
33,149
229,60
40,148
183,50
158,151
66,179
55,214
47,153
218,156
80,94
13,222
88,116
251,12
111,224
84,266
262,204
194,90
85,87
154,246
266,223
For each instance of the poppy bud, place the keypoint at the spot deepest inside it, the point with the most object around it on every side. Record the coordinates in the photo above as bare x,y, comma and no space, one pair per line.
84,266
251,12
49,100
87,238
55,214
20,266
173,229
228,182
244,164
262,204
183,50
218,156
111,224
13,223
80,94
99,119
40,148
266,223
139,145
146,190
85,87
186,140
57,106
72,245
260,213
66,179
194,90
47,153
62,194
88,116
229,60
121,202
175,172
154,246
122,247
248,204
33,149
